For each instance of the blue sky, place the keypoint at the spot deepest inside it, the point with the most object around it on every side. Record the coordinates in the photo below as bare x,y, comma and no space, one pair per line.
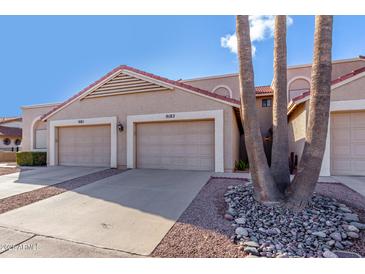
49,58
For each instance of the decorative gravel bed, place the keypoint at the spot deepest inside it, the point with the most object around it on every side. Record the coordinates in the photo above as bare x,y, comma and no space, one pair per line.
268,231
8,170
26,198
202,230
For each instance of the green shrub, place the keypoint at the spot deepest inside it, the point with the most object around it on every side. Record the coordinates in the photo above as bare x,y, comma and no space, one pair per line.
31,158
241,165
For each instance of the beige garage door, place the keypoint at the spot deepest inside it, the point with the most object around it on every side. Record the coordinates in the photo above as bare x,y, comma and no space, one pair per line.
176,145
84,146
348,143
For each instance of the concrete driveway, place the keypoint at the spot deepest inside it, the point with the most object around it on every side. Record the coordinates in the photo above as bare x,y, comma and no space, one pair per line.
129,212
28,180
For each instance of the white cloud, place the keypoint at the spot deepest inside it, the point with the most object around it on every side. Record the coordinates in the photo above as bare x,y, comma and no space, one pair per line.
261,28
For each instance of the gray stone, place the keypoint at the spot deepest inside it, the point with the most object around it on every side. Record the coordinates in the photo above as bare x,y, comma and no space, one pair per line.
251,250
358,225
251,243
240,221
231,211
353,235
351,217
339,245
242,232
228,217
336,236
352,228
320,234
345,209
329,254
346,254
330,243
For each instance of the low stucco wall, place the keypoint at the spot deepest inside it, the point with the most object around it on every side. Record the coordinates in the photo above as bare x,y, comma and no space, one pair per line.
7,156
29,115
297,130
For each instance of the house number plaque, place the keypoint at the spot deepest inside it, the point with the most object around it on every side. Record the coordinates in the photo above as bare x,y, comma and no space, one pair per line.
170,115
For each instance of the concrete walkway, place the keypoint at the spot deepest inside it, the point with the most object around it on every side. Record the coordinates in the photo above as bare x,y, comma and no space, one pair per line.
24,181
129,212
18,244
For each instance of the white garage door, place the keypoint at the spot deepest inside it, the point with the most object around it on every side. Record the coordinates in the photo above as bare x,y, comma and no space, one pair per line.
84,146
348,143
176,145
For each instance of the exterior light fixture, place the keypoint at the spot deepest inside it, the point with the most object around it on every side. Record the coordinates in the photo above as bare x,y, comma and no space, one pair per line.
120,127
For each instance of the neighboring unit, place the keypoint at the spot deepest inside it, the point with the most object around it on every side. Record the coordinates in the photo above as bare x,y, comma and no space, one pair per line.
10,133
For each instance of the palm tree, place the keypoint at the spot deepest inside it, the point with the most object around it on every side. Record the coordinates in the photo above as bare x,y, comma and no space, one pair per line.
280,145
263,183
303,185
298,193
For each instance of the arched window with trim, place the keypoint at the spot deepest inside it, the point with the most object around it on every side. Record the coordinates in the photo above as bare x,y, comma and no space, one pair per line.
223,90
298,86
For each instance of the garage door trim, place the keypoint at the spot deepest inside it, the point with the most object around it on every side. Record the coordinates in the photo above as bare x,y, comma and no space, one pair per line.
348,105
216,115
112,121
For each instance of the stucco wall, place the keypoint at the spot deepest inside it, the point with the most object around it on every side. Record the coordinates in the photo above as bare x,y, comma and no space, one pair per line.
265,115
354,90
149,103
210,83
338,69
29,114
235,139
297,130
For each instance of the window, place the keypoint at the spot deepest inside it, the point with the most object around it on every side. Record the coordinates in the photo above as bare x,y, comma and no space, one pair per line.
6,141
41,139
18,142
266,103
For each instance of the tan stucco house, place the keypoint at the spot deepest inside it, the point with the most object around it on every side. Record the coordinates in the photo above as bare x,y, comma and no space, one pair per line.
133,119
130,118
10,133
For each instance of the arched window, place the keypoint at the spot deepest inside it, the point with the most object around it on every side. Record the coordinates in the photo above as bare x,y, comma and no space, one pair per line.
6,141
223,90
298,86
18,142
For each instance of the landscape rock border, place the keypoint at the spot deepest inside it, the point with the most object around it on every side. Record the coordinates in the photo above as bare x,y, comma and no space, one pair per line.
266,231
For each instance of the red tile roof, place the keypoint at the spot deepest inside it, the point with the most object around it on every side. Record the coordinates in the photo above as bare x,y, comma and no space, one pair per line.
168,81
10,131
348,75
335,81
263,89
9,119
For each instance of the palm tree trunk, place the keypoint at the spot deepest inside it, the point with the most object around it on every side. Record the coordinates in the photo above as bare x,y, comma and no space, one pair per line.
280,145
300,191
263,183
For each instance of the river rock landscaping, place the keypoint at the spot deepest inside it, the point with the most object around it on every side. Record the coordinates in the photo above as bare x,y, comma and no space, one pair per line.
325,226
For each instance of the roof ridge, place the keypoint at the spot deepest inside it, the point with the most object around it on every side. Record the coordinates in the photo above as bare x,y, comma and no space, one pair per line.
148,74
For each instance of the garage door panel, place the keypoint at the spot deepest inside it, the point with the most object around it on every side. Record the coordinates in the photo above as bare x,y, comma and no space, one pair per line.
358,134
348,143
176,145
357,118
84,146
341,151
340,120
